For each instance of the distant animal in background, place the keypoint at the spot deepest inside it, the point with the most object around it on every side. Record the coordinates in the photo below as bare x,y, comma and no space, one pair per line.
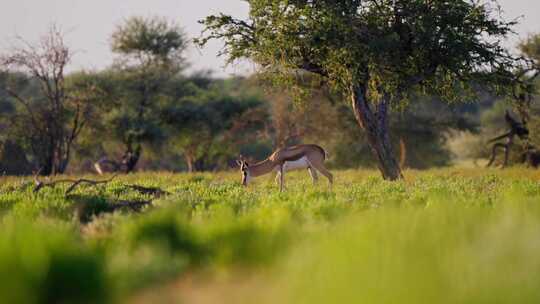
126,165
518,129
310,157
105,165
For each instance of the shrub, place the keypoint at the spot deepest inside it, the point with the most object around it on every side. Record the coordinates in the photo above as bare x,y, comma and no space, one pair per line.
40,263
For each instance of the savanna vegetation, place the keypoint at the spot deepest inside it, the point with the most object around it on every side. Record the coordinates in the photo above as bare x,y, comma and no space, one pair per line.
119,185
450,235
146,112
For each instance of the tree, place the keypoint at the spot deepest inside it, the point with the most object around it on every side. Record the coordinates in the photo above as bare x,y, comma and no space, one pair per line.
530,47
205,125
526,86
528,91
149,55
376,52
50,121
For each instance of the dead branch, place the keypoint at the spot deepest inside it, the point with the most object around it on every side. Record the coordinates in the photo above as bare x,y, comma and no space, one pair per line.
74,183
87,181
154,191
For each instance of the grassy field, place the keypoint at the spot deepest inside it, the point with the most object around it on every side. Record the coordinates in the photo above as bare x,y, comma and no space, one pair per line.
440,236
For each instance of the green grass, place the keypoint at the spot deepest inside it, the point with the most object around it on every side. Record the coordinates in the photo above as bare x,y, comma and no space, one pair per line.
440,236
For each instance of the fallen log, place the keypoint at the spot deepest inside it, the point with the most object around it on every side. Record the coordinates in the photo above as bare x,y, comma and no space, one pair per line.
74,183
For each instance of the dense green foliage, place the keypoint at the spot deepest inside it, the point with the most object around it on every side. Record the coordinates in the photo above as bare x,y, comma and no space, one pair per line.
387,46
150,54
147,101
377,54
457,235
209,121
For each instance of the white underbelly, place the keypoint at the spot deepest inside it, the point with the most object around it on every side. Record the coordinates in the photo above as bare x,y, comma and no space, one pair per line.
298,164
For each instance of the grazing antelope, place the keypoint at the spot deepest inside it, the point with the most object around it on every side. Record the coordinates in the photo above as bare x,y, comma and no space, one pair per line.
127,164
104,165
309,157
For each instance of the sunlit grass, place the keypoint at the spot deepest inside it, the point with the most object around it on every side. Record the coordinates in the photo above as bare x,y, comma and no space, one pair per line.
444,236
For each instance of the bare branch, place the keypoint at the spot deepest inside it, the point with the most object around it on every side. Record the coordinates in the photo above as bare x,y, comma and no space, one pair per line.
25,103
75,183
45,62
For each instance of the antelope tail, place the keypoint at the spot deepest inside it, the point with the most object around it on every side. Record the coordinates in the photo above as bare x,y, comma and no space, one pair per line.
325,154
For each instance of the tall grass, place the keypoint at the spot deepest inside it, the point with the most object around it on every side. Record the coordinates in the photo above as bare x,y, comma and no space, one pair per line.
443,253
449,235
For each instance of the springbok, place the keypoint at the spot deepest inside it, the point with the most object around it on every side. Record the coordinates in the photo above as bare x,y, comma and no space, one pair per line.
104,165
309,157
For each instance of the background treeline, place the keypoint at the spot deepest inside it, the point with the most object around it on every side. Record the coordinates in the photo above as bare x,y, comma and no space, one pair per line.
147,112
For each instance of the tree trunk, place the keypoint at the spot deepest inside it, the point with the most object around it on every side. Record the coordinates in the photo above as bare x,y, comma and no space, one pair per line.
130,166
131,158
402,153
375,123
189,162
131,163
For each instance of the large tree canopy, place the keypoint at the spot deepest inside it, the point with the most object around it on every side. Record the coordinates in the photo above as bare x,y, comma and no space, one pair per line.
145,41
530,48
377,52
149,54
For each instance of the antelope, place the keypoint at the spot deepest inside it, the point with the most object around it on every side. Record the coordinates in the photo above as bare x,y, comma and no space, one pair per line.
127,163
309,157
104,165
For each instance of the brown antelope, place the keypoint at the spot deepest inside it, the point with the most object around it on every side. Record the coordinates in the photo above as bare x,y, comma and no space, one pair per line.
127,163
104,165
309,157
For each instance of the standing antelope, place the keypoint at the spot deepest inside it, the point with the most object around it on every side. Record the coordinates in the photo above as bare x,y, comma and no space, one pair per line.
309,157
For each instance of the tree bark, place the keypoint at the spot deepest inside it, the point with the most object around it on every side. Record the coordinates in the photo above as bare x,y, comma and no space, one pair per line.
189,162
130,166
131,158
375,123
131,163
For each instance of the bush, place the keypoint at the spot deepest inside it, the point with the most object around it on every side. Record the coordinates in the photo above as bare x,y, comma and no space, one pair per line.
40,263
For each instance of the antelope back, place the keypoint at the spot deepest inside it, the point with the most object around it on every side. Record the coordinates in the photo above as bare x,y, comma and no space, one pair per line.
294,153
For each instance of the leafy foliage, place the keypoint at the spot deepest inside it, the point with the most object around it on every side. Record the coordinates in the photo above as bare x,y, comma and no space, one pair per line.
149,41
376,53
204,125
388,46
150,55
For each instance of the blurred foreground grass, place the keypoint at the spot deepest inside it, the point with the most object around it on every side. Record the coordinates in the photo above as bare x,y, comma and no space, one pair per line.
444,236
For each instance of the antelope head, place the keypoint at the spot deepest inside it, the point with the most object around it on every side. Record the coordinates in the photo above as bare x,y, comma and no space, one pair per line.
244,169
